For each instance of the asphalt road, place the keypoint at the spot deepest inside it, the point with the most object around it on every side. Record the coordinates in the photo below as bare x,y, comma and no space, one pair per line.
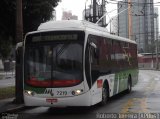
142,103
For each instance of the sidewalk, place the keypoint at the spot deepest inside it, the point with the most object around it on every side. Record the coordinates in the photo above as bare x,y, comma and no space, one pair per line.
7,79
8,105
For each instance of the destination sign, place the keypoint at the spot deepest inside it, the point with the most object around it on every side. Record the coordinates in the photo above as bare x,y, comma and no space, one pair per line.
55,37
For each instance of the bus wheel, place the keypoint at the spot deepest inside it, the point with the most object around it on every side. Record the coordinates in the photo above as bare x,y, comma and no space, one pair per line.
129,85
104,95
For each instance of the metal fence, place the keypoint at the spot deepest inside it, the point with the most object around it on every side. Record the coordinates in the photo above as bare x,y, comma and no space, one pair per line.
150,65
7,69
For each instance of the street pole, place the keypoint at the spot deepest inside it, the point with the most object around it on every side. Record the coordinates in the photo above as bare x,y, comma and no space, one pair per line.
94,11
129,20
157,50
19,38
19,21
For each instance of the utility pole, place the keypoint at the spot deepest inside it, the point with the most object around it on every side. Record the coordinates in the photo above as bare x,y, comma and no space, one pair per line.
19,21
94,11
157,50
19,38
129,19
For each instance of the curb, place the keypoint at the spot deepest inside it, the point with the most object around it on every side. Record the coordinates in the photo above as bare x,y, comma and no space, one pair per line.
16,109
11,110
9,106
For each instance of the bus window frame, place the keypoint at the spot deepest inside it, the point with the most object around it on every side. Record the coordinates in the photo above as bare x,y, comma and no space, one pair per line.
81,40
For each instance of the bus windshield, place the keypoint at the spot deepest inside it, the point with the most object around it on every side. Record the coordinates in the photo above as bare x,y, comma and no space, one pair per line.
54,64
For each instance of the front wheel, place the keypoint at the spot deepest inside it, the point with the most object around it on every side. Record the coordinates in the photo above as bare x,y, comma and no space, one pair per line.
105,95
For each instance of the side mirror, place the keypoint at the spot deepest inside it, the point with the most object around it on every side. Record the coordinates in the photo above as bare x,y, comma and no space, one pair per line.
95,50
93,45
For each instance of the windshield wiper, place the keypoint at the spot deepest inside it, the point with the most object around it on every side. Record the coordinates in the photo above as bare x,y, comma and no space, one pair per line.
62,50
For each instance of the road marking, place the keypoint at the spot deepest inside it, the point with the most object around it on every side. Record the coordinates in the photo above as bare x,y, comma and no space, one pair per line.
135,105
127,105
143,105
139,105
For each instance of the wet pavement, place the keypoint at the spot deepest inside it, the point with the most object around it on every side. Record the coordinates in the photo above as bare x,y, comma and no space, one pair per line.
142,103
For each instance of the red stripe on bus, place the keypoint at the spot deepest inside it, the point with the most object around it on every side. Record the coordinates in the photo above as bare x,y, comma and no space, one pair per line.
56,83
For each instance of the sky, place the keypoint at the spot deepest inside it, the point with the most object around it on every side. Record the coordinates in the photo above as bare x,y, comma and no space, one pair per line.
77,7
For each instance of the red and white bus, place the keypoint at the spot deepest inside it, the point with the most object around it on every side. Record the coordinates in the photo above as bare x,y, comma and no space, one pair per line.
76,63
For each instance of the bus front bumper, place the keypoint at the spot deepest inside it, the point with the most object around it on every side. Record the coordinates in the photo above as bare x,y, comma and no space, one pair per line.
80,100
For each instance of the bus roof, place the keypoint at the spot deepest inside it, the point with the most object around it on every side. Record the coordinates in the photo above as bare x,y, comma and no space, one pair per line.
91,28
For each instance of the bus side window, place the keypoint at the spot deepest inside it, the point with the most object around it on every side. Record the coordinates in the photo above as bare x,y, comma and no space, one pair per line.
94,57
94,50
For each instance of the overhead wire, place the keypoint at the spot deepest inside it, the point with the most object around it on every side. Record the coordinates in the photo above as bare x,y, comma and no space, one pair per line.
134,2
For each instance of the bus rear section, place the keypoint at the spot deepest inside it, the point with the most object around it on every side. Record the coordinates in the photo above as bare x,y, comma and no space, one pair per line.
53,69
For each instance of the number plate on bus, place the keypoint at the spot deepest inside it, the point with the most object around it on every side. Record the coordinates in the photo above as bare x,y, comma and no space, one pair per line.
51,100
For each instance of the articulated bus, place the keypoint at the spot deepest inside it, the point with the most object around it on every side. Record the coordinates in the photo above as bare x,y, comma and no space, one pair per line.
76,63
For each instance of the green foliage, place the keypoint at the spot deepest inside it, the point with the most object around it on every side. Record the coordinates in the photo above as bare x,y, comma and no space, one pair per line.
5,46
8,92
7,12
34,13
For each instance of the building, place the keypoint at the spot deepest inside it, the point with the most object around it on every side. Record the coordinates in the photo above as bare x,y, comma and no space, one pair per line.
54,15
114,26
123,20
142,23
67,15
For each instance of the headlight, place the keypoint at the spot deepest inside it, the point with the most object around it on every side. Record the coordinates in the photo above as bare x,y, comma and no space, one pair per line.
77,92
30,93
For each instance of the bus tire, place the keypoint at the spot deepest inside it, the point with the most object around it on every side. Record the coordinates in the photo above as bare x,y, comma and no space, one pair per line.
105,95
129,85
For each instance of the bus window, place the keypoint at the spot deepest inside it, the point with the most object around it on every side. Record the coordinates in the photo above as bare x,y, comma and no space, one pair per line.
48,64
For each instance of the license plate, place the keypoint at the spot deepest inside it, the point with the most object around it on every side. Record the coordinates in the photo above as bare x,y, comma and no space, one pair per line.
51,100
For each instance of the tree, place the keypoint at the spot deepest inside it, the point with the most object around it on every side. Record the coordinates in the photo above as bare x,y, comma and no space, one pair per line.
34,13
5,46
7,25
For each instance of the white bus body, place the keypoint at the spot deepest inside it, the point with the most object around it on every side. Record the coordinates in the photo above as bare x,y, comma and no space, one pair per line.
87,89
